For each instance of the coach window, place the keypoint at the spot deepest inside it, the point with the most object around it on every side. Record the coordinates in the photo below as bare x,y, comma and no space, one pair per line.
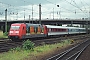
42,30
59,30
55,29
52,30
49,30
62,30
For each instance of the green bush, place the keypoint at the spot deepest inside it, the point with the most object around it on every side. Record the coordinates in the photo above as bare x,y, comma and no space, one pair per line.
27,45
5,33
16,49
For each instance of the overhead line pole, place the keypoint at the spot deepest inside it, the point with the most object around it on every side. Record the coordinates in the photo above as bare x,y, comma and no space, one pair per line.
32,14
89,14
53,13
29,18
6,20
39,13
24,11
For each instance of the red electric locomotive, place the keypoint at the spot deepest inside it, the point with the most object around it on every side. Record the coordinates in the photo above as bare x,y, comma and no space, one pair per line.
27,30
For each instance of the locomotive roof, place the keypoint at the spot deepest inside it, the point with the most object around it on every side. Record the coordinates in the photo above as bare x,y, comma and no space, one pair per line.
35,25
27,24
17,23
32,24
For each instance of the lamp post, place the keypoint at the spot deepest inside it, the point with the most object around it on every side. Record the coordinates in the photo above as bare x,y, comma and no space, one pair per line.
29,18
39,13
32,14
59,11
24,12
89,15
53,13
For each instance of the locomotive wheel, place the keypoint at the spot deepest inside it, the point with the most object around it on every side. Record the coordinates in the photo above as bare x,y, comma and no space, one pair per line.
15,40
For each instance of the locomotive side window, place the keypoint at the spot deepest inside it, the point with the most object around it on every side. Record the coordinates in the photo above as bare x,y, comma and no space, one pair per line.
32,30
23,28
35,29
39,30
28,30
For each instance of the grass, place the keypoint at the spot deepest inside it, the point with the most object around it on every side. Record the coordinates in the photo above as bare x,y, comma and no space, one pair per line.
24,54
3,36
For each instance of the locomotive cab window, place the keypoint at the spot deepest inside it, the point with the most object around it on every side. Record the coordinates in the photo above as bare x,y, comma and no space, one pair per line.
15,27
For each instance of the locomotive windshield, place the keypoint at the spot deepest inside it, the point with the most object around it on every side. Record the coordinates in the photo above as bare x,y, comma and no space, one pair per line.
15,27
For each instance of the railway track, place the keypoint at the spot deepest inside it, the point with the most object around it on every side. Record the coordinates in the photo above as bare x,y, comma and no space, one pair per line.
6,44
72,53
59,39
3,40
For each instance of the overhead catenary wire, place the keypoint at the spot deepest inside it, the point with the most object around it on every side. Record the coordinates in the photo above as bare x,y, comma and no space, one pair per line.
68,9
76,6
13,7
61,7
72,5
14,10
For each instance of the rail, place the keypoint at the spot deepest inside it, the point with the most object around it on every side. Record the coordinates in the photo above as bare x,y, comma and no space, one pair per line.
68,54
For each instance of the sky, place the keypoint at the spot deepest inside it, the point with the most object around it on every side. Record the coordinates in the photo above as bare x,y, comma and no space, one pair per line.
50,9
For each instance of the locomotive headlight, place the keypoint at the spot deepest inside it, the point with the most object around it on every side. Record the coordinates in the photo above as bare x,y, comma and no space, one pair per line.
17,32
11,31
